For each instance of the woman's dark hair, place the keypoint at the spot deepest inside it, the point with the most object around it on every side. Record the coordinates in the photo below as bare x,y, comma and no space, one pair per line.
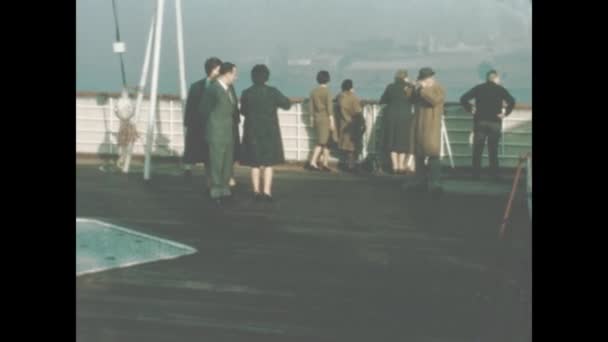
347,85
260,74
323,77
212,63
226,68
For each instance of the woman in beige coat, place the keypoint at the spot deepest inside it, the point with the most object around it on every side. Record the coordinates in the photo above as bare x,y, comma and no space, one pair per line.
321,110
350,124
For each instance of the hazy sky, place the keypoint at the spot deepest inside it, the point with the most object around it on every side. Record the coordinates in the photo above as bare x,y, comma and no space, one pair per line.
240,29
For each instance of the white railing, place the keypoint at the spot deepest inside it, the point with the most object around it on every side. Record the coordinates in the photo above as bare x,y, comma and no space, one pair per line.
97,127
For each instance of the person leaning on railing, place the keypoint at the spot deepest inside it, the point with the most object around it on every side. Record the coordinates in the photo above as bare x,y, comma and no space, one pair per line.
351,123
321,110
487,120
397,118
429,97
262,145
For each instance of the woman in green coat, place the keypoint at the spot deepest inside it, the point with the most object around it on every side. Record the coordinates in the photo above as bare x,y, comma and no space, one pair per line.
397,116
262,145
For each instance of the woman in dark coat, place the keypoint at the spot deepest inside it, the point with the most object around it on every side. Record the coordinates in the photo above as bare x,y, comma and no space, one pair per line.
397,116
262,145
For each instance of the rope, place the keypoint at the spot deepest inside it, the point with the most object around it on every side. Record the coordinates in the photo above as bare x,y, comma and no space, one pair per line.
122,63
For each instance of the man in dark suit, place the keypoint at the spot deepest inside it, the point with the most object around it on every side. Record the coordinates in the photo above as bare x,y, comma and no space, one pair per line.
220,104
195,146
489,98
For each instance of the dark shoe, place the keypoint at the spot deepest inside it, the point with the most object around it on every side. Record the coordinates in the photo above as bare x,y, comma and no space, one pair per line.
257,196
309,167
325,169
267,198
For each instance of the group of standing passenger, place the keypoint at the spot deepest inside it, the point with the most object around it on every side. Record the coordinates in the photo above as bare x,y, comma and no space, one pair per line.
413,117
406,132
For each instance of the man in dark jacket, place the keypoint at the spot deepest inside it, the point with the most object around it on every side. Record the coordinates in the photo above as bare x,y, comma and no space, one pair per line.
488,115
195,146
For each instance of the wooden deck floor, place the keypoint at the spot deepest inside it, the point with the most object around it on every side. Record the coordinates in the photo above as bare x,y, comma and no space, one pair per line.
337,258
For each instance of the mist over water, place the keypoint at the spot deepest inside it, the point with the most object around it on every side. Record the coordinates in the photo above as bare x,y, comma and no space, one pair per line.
362,40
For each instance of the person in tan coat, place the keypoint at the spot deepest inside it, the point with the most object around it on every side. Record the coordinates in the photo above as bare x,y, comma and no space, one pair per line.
426,131
321,110
350,123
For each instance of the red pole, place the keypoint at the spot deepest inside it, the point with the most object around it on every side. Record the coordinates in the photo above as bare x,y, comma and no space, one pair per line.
505,219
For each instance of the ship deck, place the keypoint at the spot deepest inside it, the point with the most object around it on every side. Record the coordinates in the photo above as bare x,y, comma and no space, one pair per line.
338,257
